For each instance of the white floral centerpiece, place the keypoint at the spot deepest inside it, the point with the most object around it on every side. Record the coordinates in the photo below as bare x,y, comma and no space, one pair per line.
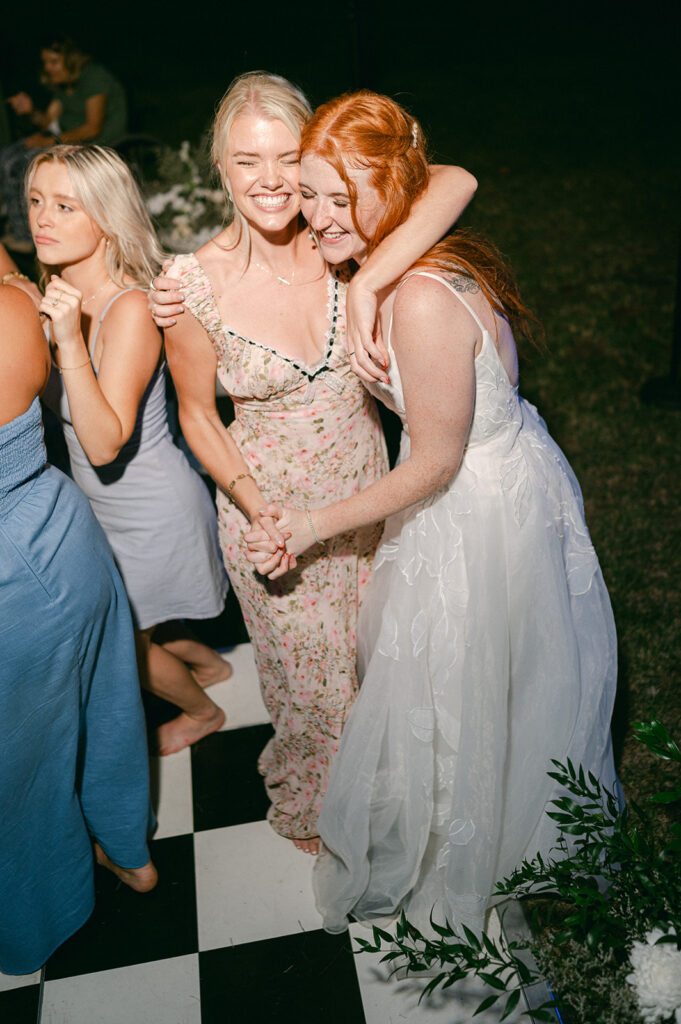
606,918
185,211
656,975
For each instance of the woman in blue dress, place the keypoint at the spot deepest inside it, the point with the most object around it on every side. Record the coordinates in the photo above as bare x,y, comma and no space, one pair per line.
74,759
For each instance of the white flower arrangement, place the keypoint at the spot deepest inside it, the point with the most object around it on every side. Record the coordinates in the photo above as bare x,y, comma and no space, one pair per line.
187,213
656,976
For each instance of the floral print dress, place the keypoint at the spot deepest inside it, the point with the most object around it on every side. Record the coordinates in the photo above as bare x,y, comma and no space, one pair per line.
310,435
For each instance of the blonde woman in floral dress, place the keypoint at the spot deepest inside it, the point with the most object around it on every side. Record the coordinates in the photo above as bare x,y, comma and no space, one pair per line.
268,317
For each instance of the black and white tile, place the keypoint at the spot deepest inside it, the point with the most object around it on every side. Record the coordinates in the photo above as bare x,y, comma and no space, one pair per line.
231,933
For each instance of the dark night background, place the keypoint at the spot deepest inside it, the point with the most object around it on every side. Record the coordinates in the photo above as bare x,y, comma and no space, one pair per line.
486,78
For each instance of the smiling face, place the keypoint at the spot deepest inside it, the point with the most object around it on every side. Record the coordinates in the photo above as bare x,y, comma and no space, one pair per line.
327,207
62,231
261,167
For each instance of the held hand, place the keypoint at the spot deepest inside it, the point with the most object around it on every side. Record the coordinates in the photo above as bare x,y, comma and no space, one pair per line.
165,301
21,103
269,556
295,524
272,566
266,520
368,356
61,303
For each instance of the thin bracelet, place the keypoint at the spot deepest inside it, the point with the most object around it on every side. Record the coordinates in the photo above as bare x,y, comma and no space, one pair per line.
314,532
14,273
241,476
60,369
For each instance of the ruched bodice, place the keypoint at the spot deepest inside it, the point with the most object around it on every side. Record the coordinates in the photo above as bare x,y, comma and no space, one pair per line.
22,454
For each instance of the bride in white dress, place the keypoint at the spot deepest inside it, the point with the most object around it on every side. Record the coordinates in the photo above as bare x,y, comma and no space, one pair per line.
486,640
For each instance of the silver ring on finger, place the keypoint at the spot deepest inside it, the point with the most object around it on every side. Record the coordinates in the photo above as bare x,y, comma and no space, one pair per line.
54,302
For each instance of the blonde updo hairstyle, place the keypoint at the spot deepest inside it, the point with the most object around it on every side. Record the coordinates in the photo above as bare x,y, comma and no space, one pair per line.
105,188
256,92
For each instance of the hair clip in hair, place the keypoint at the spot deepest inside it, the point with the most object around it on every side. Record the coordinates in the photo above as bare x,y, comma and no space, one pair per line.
414,134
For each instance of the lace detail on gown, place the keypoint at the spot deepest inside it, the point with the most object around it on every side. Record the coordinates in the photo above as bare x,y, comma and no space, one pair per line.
486,647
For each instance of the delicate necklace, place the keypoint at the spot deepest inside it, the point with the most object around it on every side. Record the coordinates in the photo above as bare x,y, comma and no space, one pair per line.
95,294
282,280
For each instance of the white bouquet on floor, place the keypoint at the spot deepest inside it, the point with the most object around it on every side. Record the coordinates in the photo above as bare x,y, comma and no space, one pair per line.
656,976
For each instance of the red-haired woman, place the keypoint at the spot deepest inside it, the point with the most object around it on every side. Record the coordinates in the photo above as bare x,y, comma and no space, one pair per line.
486,641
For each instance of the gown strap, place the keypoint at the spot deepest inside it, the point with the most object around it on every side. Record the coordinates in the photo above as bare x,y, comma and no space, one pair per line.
442,280
132,288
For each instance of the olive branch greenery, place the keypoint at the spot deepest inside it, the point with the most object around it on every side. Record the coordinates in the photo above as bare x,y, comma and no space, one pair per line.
621,879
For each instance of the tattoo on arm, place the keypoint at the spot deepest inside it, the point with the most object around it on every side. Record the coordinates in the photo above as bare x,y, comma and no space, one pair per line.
461,283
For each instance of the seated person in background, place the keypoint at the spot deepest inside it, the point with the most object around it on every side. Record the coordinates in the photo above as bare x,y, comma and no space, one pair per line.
88,105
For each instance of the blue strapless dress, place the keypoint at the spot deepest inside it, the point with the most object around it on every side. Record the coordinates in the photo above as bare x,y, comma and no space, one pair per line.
74,760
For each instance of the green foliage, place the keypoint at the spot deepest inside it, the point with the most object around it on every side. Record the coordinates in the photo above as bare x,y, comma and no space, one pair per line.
614,876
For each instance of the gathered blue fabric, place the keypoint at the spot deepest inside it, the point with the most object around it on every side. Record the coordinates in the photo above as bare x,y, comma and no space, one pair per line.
74,760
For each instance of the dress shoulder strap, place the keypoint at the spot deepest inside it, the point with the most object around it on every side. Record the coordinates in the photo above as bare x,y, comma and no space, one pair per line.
132,288
442,280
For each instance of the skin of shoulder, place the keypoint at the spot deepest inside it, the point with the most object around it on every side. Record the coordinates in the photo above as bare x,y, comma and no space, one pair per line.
424,304
128,328
435,340
219,259
129,354
24,354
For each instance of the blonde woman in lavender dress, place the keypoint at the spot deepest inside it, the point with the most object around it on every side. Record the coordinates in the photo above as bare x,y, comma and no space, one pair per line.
95,242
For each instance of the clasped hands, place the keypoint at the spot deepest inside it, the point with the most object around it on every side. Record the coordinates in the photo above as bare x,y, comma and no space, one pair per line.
262,551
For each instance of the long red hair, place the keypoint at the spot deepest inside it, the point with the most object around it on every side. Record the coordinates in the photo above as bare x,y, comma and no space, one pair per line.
365,129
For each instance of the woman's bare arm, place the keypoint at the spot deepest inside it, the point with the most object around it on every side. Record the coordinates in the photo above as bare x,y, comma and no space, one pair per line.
103,407
95,112
193,364
448,194
434,341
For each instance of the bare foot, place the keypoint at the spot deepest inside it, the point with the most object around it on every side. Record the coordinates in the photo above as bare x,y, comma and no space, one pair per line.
308,845
140,879
184,730
208,675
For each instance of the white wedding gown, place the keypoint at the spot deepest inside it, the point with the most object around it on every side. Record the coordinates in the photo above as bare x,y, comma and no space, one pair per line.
487,647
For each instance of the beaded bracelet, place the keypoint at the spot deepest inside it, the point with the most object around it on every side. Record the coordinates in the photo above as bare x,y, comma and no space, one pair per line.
14,273
241,476
314,532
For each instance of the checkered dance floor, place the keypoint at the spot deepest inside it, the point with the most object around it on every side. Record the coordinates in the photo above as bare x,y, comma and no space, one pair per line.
231,933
